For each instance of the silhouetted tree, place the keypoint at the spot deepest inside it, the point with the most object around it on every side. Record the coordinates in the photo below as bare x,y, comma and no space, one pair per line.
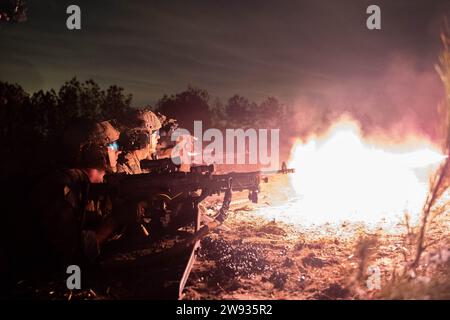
115,103
186,107
13,102
42,115
218,115
240,112
80,100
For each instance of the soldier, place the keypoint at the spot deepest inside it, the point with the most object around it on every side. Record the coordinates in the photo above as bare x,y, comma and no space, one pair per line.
72,227
138,141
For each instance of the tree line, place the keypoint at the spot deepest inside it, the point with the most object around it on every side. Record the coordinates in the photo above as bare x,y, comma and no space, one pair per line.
32,124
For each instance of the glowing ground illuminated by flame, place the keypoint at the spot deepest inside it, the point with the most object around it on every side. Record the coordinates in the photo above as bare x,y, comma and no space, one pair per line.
339,177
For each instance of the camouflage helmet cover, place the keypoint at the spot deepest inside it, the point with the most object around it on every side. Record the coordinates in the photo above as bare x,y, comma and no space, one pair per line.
84,141
103,134
88,132
144,119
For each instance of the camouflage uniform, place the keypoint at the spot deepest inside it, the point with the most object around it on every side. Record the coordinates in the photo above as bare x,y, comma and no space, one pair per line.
128,163
137,142
67,221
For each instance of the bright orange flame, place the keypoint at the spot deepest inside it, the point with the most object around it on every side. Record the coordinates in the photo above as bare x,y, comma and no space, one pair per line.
340,177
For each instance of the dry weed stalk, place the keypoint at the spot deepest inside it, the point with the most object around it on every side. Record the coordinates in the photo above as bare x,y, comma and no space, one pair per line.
365,248
440,181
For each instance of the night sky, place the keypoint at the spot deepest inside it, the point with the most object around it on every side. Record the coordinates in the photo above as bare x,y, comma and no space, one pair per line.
315,51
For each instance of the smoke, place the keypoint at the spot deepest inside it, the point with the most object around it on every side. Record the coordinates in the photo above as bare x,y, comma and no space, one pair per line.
398,102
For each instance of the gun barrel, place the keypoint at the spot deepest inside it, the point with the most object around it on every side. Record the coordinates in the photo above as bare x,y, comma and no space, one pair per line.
282,171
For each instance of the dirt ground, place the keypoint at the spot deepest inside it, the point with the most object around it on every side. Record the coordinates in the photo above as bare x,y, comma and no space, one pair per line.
260,259
253,257
256,258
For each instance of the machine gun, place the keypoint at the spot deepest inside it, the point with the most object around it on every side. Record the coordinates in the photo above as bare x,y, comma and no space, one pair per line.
173,186
173,197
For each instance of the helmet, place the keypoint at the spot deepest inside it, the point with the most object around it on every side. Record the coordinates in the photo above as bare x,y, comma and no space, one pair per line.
103,134
85,143
144,119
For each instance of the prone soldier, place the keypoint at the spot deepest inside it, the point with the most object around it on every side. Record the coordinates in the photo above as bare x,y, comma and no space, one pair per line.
138,140
74,228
